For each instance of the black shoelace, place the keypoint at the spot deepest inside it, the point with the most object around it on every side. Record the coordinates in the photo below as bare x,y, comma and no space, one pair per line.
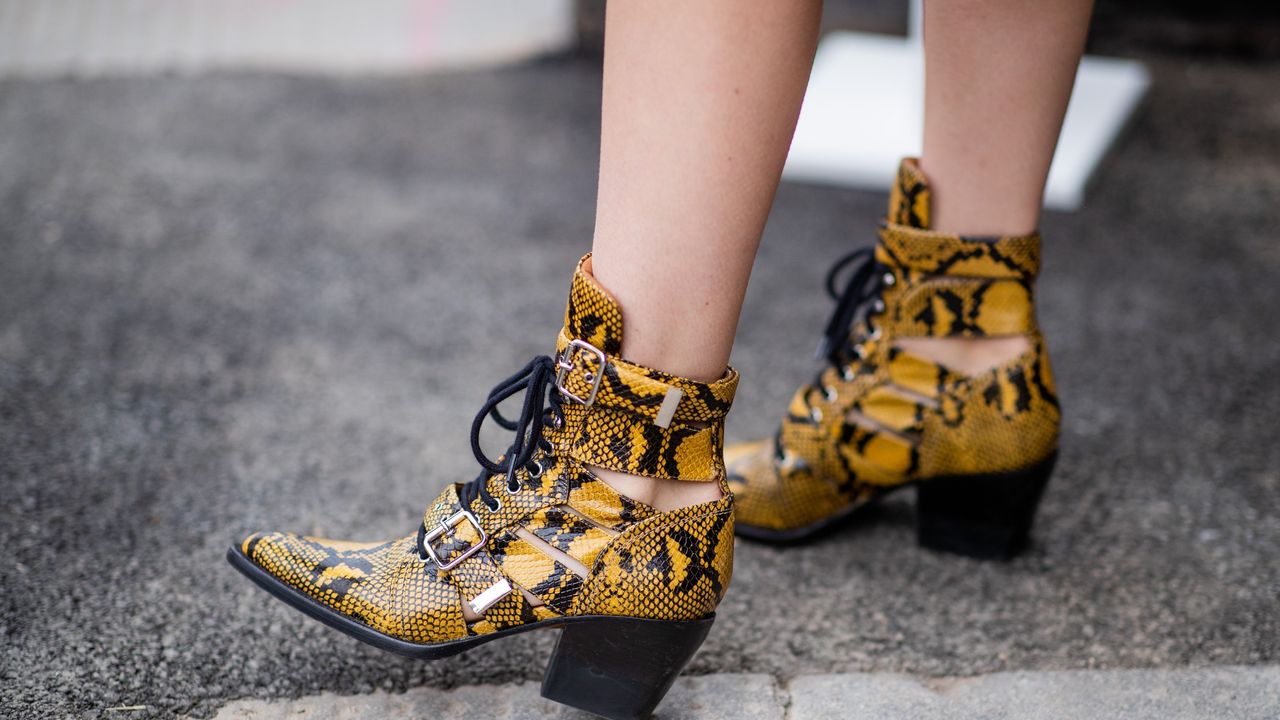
543,405
860,300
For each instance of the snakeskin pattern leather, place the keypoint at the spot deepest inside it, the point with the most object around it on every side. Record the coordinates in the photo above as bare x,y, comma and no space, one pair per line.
887,418
640,562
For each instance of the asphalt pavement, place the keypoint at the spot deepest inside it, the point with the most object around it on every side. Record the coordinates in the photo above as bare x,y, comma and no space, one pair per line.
237,302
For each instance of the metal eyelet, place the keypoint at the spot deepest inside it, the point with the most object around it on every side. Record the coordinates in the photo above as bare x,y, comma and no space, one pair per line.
861,352
539,470
875,333
557,422
815,414
846,372
879,305
889,279
495,507
511,490
830,393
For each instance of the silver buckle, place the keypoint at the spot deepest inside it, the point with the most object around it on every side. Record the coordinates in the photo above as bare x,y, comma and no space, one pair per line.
447,529
564,363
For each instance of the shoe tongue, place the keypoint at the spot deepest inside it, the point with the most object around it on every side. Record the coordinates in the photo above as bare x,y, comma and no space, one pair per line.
442,508
593,315
909,197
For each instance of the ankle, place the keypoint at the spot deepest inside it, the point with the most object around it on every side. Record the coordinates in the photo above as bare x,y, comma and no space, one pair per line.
967,356
664,495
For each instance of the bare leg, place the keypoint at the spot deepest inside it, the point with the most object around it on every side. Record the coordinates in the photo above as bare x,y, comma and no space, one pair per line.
998,75
700,102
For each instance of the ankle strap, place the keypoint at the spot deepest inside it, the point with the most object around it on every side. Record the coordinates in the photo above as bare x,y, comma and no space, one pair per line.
935,253
647,393
633,419
954,286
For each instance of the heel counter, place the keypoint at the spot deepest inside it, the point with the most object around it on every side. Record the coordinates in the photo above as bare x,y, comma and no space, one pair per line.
675,566
1006,419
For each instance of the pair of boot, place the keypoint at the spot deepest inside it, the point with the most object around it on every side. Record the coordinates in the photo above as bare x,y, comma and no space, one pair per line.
537,540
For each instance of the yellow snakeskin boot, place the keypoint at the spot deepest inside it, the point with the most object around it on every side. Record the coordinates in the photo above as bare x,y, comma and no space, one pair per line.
497,556
978,449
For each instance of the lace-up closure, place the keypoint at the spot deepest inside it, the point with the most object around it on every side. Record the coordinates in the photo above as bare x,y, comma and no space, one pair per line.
543,406
859,302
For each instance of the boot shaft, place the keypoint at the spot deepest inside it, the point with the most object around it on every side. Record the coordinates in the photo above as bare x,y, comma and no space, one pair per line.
947,285
629,418
626,417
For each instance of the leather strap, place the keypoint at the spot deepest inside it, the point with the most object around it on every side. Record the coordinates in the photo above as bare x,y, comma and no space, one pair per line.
935,253
642,421
642,391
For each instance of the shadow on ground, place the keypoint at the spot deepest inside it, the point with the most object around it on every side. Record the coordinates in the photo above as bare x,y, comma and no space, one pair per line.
240,302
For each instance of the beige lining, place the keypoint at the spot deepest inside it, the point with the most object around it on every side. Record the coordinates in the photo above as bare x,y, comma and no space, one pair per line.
873,425
554,553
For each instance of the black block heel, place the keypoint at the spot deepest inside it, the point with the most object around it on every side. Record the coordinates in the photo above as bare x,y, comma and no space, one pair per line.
620,668
982,516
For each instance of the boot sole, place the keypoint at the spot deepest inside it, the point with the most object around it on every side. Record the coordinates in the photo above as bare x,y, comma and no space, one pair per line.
985,516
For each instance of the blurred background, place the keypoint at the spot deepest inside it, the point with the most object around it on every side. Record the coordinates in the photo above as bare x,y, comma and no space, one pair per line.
261,261
91,37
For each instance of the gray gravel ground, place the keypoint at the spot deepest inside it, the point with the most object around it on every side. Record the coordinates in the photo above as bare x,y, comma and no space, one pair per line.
238,302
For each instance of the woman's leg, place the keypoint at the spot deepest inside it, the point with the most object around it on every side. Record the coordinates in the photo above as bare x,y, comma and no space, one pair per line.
998,74
700,102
